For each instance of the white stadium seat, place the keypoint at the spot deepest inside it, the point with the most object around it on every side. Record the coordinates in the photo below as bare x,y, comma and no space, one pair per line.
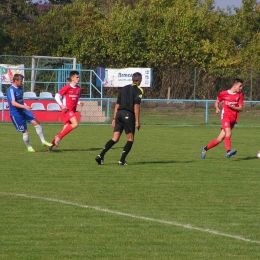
45,95
6,107
53,107
29,94
37,106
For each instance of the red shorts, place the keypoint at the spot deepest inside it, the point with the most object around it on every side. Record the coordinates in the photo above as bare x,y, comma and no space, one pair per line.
227,123
67,116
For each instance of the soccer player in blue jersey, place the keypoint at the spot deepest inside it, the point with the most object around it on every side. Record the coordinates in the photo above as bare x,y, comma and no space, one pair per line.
20,113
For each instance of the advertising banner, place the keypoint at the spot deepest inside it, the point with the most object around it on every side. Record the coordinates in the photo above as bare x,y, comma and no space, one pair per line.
123,77
8,71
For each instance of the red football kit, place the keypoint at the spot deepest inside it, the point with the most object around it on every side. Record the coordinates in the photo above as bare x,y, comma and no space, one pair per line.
70,98
229,116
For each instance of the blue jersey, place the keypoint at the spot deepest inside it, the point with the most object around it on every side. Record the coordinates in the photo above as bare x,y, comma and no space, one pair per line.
19,116
15,94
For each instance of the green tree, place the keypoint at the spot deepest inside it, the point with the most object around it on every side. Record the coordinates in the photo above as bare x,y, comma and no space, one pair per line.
246,34
16,18
57,2
71,30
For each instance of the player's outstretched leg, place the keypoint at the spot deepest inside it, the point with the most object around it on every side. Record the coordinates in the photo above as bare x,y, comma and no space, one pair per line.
31,150
99,160
125,152
122,163
49,148
27,142
56,141
45,143
203,152
39,131
230,153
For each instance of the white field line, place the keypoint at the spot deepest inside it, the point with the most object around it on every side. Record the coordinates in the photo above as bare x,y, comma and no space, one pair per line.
173,223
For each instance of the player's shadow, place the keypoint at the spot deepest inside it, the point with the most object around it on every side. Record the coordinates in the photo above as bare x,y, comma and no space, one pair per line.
59,150
161,162
248,158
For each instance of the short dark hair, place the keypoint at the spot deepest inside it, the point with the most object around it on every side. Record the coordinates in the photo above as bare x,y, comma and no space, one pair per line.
18,77
238,80
73,72
136,76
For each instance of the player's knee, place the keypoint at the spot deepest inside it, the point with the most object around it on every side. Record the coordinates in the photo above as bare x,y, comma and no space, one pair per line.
75,125
35,122
130,137
219,140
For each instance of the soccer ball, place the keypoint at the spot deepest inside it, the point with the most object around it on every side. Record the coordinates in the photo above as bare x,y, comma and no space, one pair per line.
258,155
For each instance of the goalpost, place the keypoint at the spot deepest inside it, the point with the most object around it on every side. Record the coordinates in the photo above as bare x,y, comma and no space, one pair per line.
34,65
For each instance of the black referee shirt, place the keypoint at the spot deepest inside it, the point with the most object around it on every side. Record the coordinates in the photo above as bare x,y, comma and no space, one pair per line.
129,96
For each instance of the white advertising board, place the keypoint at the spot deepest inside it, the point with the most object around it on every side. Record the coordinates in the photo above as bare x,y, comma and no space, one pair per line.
8,71
122,77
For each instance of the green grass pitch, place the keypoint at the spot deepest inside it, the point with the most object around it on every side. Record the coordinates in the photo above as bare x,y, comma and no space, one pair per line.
166,204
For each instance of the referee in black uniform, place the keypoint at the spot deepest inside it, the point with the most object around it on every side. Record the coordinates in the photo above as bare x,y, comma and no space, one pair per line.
126,117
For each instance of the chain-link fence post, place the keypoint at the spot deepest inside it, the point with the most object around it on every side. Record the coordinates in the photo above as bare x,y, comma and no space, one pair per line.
194,84
108,109
251,87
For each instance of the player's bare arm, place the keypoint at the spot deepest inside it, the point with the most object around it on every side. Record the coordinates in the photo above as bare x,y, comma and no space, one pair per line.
137,116
64,108
238,109
58,98
115,112
16,104
217,107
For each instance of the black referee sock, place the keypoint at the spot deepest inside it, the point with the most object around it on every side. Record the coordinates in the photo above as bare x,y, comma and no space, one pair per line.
108,145
126,150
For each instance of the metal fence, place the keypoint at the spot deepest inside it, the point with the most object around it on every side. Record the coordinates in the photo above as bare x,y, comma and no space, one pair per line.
196,83
51,80
186,112
184,93
176,112
180,82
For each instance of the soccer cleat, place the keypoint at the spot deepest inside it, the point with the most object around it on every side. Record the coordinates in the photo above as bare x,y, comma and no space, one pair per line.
47,144
56,141
122,163
203,152
48,148
31,150
230,153
99,160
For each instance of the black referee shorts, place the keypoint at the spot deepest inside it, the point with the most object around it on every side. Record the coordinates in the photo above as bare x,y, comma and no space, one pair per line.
125,120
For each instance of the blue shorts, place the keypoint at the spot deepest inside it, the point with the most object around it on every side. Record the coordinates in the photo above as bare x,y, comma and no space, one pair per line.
20,120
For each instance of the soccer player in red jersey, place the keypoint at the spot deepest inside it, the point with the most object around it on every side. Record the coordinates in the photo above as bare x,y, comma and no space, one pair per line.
68,99
232,103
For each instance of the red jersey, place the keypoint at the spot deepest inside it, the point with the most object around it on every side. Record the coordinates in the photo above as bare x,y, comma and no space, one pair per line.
70,96
234,99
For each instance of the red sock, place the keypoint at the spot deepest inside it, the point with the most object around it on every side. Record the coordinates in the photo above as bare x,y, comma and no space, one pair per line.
53,141
227,143
212,144
65,131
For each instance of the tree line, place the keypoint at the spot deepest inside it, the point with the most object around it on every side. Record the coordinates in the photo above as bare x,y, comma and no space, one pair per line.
194,49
